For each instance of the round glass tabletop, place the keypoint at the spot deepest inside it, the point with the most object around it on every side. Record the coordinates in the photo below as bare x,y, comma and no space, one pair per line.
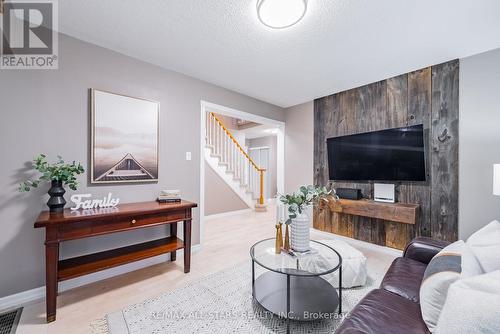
319,260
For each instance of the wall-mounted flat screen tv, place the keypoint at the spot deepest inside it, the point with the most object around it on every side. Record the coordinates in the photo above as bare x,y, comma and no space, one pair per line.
387,155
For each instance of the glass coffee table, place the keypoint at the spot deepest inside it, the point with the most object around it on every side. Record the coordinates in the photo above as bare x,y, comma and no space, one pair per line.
292,286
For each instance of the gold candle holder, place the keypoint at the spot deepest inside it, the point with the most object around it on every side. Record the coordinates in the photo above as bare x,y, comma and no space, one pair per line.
287,239
281,234
279,239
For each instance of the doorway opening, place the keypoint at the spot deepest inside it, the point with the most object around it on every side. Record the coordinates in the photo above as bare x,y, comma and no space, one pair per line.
242,165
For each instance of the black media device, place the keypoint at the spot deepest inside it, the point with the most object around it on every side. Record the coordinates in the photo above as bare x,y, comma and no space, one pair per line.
348,193
387,155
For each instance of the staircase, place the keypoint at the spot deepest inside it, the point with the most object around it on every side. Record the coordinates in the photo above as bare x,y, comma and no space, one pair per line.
232,163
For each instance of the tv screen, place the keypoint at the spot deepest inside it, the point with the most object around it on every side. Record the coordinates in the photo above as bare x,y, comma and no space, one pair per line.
387,155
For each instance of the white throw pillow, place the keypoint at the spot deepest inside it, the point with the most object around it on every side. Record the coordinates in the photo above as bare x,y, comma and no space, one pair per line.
451,264
470,263
472,306
485,244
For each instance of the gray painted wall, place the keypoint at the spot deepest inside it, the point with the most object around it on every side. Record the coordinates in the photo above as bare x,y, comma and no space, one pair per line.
47,111
219,197
479,140
272,143
299,146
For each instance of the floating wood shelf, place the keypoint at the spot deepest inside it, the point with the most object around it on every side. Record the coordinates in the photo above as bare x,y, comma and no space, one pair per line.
82,265
405,213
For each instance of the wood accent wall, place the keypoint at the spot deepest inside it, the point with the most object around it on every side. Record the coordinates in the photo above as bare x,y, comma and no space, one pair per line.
428,96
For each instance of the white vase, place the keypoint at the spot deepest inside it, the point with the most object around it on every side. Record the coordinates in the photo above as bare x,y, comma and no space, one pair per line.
300,233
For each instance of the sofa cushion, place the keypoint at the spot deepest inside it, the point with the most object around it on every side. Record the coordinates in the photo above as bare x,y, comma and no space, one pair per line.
384,312
404,278
485,244
472,306
443,270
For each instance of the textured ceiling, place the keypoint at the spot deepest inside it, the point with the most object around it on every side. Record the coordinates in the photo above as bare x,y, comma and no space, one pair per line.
340,44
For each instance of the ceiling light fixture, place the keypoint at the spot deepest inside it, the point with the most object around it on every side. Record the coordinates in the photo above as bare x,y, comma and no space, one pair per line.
279,14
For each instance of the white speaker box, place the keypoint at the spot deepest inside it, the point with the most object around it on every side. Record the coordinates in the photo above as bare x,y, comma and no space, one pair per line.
383,192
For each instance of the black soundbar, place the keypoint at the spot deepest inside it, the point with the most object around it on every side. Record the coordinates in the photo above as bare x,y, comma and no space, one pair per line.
349,193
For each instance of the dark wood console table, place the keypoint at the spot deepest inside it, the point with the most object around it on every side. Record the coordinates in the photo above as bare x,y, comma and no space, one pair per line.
71,225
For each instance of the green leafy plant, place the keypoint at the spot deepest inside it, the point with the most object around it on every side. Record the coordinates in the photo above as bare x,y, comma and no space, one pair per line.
306,196
58,171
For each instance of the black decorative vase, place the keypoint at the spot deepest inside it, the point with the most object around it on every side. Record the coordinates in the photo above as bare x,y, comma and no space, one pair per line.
56,201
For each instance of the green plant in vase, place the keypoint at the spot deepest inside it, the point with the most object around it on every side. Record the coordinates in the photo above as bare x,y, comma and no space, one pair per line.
299,201
297,204
59,174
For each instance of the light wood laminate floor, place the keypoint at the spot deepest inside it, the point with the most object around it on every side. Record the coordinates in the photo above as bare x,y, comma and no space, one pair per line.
227,242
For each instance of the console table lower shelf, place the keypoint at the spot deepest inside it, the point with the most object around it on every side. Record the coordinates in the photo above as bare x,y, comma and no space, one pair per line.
87,264
71,225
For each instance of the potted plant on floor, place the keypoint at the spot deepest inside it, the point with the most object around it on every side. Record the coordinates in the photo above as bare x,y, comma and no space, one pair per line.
59,174
298,218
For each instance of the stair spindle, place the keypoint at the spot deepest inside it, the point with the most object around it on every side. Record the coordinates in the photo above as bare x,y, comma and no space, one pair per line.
219,140
235,154
211,123
212,130
209,129
226,149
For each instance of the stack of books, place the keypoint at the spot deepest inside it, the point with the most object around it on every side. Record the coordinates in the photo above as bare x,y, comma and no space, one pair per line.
169,196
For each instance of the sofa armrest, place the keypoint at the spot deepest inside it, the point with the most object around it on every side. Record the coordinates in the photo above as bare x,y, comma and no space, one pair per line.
423,249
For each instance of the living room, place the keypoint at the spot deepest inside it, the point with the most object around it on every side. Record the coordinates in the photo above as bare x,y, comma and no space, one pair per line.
354,145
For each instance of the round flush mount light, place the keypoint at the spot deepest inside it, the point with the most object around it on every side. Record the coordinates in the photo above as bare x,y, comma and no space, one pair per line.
279,14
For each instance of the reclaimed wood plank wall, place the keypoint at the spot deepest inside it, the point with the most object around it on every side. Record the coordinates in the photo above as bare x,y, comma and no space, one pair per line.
428,96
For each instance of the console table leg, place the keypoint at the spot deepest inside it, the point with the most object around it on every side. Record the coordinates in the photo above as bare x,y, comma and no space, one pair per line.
173,233
51,260
187,246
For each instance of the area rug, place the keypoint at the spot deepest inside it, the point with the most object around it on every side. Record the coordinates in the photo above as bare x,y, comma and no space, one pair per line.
218,303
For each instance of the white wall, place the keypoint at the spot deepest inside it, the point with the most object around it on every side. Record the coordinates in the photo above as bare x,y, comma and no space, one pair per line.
299,146
219,197
479,140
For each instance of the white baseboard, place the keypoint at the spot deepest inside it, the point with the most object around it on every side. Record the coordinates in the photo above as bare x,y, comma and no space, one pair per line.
226,214
28,296
354,242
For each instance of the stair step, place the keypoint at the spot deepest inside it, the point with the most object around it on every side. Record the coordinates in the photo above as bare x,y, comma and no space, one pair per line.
212,147
222,163
216,155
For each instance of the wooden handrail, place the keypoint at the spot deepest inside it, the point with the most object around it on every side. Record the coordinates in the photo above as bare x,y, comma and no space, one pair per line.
237,144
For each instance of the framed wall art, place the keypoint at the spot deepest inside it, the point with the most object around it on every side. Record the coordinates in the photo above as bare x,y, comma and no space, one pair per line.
124,138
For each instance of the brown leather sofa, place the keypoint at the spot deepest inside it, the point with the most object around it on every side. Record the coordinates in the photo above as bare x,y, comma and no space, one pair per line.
394,308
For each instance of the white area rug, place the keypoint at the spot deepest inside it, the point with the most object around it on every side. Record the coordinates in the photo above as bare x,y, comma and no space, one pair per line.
218,303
